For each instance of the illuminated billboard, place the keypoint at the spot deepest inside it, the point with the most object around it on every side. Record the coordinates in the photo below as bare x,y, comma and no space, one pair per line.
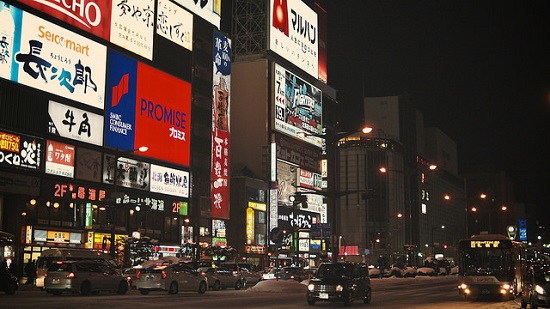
20,151
293,34
50,58
220,125
147,107
169,181
298,107
60,159
75,123
175,24
209,10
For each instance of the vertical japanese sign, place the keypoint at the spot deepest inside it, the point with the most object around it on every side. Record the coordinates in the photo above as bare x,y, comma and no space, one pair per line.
220,125
10,17
61,62
74,123
60,159
133,25
147,107
175,24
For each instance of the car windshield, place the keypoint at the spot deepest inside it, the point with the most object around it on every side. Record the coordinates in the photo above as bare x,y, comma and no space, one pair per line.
334,271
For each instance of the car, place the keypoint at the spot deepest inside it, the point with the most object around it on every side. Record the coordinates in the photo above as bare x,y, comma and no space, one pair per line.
222,278
245,270
130,274
293,273
8,282
171,278
536,289
270,274
84,277
340,282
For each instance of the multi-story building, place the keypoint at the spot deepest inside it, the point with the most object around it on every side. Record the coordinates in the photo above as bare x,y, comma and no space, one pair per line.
399,211
82,88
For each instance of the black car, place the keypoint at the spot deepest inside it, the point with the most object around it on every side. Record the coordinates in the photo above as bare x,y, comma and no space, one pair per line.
8,282
536,289
340,282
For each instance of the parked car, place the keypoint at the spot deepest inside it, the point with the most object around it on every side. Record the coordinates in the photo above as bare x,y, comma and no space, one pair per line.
340,282
222,278
130,274
84,277
293,273
170,277
536,289
8,282
245,270
270,274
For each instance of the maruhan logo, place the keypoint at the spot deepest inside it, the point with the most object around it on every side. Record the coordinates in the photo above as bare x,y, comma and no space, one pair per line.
84,12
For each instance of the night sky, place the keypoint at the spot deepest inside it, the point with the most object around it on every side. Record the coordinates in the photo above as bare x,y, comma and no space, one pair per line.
478,70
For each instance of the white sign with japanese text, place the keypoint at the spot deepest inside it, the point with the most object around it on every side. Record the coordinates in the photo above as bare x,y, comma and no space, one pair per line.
59,61
175,24
169,181
133,25
76,124
210,10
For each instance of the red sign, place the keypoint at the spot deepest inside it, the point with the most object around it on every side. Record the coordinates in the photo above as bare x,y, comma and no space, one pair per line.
93,16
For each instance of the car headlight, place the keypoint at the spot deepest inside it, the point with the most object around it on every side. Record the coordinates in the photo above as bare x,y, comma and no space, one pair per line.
506,286
311,287
463,286
540,290
339,288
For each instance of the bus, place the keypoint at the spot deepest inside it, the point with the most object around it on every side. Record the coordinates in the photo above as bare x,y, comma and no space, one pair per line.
49,256
491,265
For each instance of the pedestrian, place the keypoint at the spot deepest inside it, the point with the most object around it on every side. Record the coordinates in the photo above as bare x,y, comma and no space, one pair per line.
30,270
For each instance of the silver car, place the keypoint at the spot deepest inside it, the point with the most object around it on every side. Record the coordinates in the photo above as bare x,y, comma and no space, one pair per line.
84,277
222,278
172,278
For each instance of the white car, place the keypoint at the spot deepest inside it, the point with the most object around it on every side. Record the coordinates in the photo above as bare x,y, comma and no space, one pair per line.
171,278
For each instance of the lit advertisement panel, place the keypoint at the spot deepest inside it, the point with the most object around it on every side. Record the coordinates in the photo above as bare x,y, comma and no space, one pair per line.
169,181
209,10
129,173
293,34
133,25
10,17
93,16
20,151
298,107
61,62
147,107
74,123
220,125
60,159
175,24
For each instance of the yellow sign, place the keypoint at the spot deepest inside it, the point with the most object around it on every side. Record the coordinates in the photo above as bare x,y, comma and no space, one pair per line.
485,244
249,225
257,206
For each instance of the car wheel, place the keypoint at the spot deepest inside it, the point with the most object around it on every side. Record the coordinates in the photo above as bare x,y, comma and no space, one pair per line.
122,288
86,288
368,296
310,301
348,299
173,288
238,285
217,286
202,287
144,292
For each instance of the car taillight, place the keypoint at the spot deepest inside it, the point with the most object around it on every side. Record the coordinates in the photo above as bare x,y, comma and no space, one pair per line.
163,274
292,277
45,275
71,275
138,274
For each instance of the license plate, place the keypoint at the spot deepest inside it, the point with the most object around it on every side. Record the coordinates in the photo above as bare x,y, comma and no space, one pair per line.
485,291
55,281
323,295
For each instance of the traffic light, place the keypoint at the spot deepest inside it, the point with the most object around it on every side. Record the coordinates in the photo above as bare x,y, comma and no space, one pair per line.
445,246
